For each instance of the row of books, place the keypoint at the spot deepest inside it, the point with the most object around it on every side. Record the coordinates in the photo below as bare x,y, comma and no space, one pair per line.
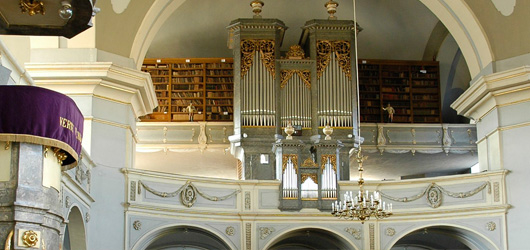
220,79
186,65
219,102
187,72
186,94
219,65
220,94
223,72
196,79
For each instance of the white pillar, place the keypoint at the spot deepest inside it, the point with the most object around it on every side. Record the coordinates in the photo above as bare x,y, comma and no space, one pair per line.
500,105
111,98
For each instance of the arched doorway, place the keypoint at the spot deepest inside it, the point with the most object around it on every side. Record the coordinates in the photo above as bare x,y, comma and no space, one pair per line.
74,233
442,237
309,239
186,238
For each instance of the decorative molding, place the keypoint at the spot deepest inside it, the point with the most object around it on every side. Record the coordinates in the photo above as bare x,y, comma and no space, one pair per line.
285,76
372,236
436,191
356,233
87,217
390,231
264,232
187,194
491,226
137,225
202,139
230,231
67,202
496,193
266,50
247,200
108,80
132,192
342,52
248,236
239,169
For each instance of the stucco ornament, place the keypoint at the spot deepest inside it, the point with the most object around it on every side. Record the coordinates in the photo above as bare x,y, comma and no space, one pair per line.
230,231
390,231
505,7
434,197
137,225
491,226
264,232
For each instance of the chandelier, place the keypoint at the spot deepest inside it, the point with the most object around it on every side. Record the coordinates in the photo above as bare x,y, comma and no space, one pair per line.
364,205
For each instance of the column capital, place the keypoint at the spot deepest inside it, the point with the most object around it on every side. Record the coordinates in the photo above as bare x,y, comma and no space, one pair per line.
102,79
493,91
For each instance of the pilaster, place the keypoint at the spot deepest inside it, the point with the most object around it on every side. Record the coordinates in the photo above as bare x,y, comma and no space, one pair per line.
499,105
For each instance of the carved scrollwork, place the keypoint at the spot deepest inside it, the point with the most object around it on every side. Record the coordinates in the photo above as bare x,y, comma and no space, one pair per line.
295,52
294,160
305,75
342,52
266,50
332,159
313,176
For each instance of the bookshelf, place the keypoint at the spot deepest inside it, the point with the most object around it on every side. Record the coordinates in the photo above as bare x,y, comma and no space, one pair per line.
411,87
207,83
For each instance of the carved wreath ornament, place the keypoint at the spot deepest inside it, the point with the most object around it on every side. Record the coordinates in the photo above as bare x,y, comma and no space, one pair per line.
187,193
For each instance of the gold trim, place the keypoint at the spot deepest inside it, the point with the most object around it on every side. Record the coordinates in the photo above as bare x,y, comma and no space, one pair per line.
324,160
32,7
309,163
313,176
266,49
9,239
342,51
294,160
43,141
305,75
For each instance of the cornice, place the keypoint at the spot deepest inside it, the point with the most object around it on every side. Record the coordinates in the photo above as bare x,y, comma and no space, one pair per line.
492,91
104,79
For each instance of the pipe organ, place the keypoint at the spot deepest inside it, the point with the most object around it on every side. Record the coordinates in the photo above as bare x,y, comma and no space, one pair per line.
310,86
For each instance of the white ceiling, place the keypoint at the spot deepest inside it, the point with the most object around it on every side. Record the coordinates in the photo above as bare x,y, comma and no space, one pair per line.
393,29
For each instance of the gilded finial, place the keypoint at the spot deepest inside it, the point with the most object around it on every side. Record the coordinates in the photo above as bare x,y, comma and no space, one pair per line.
256,8
331,6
